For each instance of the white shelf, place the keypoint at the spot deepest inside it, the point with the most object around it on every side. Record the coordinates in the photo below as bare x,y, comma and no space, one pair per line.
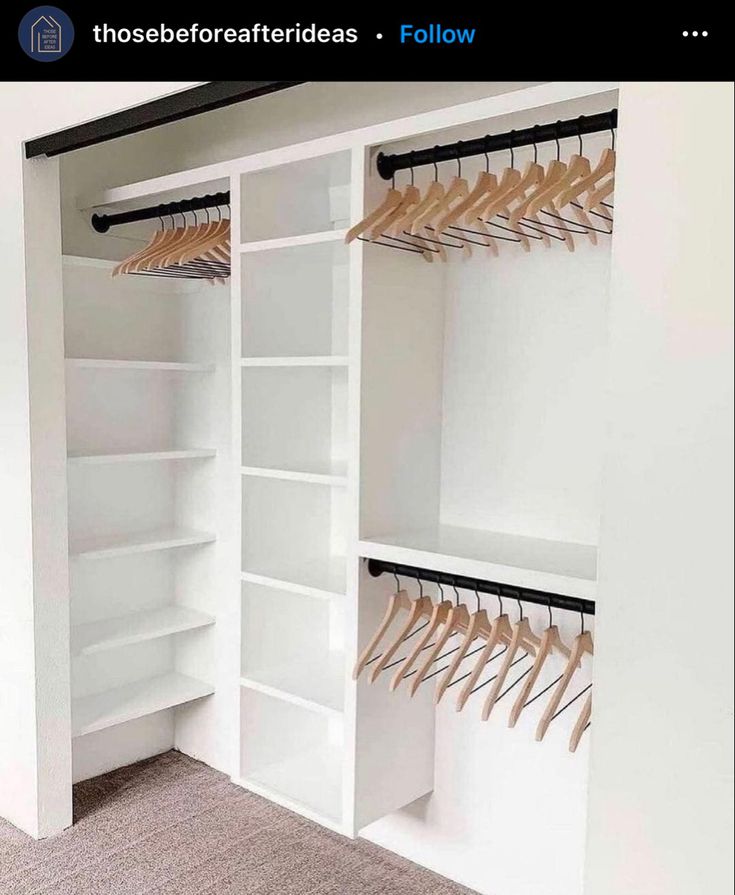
309,783
264,245
141,456
318,578
291,586
142,542
336,476
335,360
556,566
93,363
317,686
102,710
95,637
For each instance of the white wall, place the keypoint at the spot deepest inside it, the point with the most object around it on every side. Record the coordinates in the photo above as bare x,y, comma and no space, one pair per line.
26,764
661,767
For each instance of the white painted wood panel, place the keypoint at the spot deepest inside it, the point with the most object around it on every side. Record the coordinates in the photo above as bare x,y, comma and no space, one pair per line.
106,709
135,627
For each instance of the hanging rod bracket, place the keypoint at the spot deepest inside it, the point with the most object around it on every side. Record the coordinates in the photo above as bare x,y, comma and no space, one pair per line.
377,567
387,165
102,222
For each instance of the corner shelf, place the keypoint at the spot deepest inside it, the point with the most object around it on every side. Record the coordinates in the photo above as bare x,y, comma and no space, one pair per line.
137,627
143,542
131,701
90,459
556,566
93,363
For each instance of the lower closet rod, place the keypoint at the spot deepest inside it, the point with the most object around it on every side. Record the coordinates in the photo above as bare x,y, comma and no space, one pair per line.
377,567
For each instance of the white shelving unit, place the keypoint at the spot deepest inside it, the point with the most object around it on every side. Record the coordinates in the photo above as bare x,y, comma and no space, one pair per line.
147,421
294,375
233,453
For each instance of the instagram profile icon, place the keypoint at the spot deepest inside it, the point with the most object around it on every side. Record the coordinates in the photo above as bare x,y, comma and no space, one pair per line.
46,33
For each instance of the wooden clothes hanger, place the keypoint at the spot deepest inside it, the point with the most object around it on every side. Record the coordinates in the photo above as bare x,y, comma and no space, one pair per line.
399,600
479,625
605,165
583,722
458,620
206,239
422,605
582,645
484,185
522,633
390,201
500,632
440,613
598,196
166,237
551,642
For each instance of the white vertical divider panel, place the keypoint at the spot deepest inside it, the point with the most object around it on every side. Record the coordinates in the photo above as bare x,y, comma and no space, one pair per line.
234,547
661,745
352,522
45,332
400,392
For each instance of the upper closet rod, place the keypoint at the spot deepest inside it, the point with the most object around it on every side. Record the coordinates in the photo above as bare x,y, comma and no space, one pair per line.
377,567
540,133
103,222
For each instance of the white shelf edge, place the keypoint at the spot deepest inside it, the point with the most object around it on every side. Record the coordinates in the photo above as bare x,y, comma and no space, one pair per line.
291,586
110,364
304,239
326,360
141,456
289,475
137,701
279,693
534,579
294,805
145,543
188,620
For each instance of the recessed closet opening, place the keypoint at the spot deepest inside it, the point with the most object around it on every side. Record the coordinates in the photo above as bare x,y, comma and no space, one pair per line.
240,445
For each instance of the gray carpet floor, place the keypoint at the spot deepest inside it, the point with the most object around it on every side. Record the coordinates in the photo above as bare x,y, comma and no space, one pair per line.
173,826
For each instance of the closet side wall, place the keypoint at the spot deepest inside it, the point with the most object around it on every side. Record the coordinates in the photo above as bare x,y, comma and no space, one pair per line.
660,816
30,110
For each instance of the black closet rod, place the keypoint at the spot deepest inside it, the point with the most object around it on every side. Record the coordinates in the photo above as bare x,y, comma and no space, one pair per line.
103,222
377,567
541,133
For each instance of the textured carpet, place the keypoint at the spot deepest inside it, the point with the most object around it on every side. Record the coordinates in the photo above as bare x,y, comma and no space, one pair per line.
173,826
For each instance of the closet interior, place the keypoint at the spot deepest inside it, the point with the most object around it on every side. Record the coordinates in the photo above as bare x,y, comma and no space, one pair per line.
279,418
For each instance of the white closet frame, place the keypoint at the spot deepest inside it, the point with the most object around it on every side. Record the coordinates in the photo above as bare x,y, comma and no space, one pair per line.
370,788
